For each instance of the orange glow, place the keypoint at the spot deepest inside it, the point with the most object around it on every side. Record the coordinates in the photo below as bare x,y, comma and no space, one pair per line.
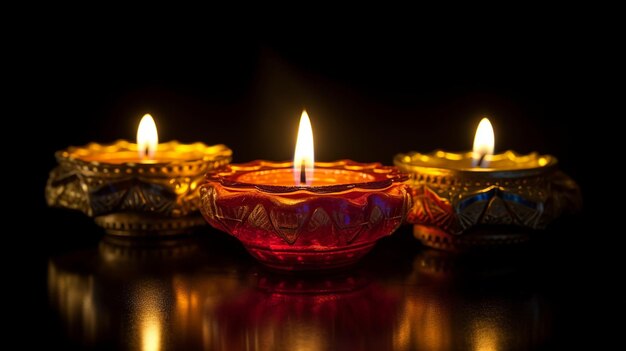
484,142
150,317
486,335
304,155
147,137
151,335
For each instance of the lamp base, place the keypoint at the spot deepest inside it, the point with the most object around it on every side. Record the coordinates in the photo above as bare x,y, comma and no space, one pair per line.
144,225
476,238
309,259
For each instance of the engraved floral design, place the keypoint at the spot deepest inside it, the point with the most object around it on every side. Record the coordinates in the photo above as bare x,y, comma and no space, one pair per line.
95,188
456,201
302,225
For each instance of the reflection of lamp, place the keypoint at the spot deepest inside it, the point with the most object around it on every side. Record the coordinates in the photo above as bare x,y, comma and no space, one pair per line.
197,297
456,302
148,305
72,294
153,296
161,291
339,312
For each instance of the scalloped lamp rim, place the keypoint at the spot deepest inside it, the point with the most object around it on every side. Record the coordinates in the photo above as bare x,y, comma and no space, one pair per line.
383,176
76,154
414,162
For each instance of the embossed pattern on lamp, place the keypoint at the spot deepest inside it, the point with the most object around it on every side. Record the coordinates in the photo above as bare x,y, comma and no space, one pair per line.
459,198
135,189
330,220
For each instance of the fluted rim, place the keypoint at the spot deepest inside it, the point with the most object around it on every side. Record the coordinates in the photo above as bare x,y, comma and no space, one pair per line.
531,164
383,176
214,156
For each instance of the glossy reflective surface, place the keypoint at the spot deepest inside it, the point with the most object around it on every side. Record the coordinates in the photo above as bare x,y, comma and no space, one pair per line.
206,293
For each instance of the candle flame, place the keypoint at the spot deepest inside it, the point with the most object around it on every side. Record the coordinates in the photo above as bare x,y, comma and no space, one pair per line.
304,156
147,137
484,142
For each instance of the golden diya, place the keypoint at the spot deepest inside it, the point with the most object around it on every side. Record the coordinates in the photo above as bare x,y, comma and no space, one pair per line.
478,198
136,189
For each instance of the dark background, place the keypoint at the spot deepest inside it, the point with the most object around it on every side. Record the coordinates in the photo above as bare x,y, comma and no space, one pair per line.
370,95
368,100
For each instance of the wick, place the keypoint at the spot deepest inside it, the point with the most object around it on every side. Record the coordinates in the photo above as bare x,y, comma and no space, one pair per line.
302,174
480,160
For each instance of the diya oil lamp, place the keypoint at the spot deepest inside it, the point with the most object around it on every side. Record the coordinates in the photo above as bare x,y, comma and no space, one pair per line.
138,189
477,198
305,215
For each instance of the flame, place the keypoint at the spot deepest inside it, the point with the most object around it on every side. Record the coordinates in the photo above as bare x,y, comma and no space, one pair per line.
147,137
483,144
304,155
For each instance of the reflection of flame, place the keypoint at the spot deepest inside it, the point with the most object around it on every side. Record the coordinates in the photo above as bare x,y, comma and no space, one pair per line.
227,309
486,335
443,311
423,324
171,309
151,334
330,313
304,155
72,294
195,300
484,142
149,307
147,137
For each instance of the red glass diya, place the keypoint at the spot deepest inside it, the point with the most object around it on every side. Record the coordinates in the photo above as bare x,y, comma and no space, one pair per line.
330,222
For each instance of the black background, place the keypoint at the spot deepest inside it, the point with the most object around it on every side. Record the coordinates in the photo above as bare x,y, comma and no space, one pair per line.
370,94
369,97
